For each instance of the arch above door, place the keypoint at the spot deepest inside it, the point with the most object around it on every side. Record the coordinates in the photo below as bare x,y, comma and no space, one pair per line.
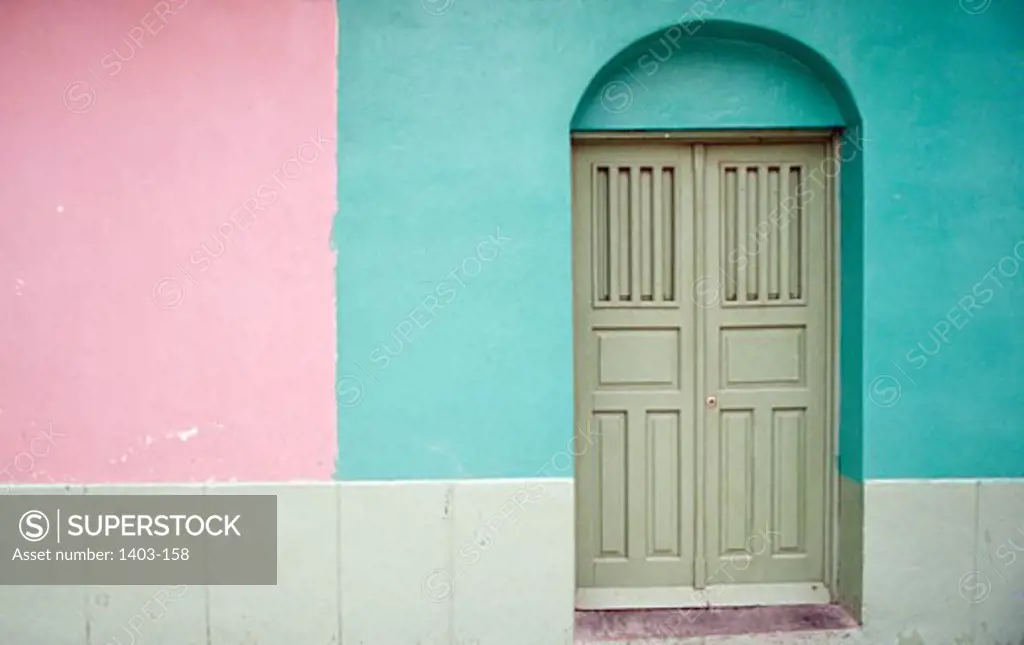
716,75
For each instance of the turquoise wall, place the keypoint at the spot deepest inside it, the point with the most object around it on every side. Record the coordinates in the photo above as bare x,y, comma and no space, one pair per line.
453,231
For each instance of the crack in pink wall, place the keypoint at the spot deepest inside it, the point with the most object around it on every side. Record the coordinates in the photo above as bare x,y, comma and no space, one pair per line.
166,281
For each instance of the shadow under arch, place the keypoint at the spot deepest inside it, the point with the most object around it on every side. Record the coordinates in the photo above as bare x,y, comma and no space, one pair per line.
724,75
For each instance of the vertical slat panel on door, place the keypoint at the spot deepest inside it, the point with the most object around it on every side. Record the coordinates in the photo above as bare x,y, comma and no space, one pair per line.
748,248
671,227
761,246
731,223
786,207
614,235
658,249
647,249
796,235
601,239
626,255
774,234
741,235
635,233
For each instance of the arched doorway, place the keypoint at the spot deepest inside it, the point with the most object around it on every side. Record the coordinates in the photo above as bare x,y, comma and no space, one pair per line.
706,306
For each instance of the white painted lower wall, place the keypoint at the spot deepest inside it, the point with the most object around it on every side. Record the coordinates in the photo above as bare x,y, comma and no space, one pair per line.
478,562
490,562
940,565
461,563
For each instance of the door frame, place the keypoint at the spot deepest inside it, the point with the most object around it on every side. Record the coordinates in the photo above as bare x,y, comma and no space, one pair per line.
832,139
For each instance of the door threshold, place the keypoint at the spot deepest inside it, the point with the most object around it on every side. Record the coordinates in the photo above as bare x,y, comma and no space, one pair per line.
671,624
793,593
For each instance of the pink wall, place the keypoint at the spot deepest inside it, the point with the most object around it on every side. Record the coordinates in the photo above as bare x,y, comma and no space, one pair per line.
134,132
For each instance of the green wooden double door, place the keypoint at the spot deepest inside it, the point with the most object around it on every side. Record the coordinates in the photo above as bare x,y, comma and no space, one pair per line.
701,288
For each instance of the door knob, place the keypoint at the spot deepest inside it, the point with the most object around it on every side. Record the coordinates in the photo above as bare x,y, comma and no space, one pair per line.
712,402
